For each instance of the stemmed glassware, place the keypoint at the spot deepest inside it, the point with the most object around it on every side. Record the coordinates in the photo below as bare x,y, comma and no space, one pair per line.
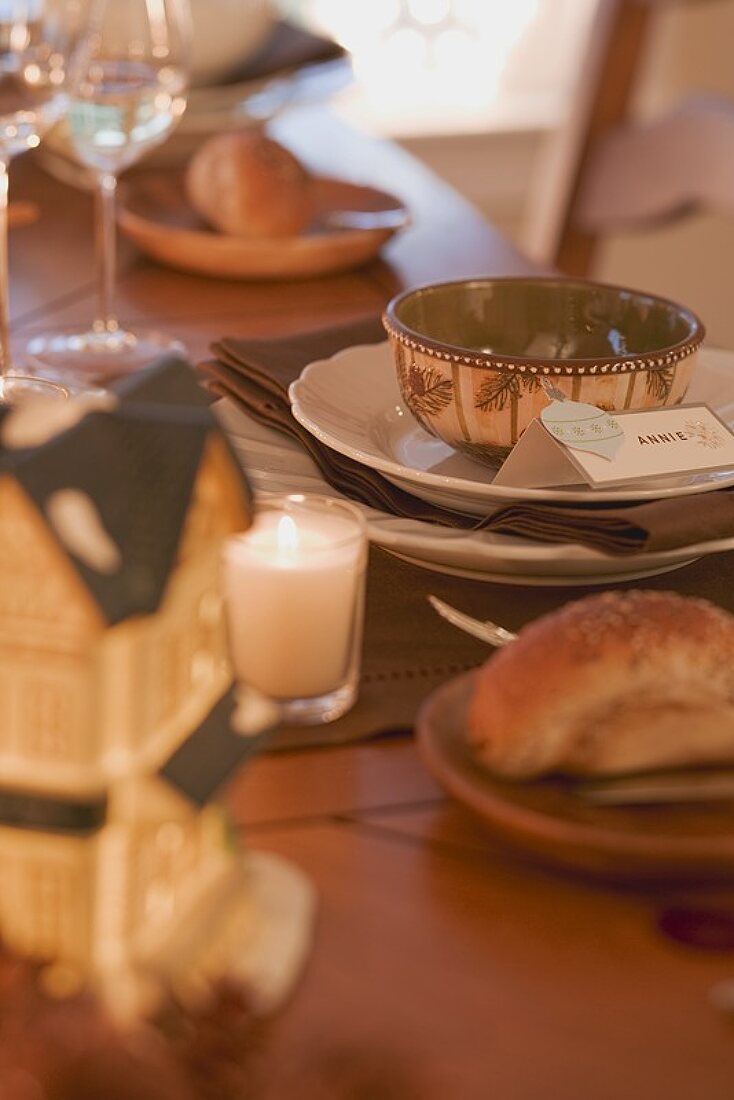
34,44
126,90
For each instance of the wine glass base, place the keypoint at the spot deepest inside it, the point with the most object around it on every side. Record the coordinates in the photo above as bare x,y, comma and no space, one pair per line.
16,388
96,357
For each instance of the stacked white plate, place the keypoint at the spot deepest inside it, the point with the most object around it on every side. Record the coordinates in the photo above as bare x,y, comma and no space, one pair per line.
351,403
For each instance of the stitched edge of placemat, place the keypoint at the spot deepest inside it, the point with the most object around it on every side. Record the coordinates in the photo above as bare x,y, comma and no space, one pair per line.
362,723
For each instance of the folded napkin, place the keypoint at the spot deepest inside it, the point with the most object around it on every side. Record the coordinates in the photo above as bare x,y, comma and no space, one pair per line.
632,529
287,47
255,374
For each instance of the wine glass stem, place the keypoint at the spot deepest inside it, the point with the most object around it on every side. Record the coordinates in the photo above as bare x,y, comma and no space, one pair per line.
5,359
106,320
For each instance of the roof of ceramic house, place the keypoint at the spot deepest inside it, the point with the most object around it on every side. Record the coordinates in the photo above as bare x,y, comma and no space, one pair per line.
137,463
212,752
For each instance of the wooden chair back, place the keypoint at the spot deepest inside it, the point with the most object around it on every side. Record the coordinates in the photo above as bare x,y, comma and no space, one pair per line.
604,170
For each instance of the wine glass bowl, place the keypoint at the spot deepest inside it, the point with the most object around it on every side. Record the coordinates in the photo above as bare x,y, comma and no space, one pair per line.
34,39
121,107
126,91
32,74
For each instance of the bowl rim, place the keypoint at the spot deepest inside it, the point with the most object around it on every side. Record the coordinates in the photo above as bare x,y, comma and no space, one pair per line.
651,360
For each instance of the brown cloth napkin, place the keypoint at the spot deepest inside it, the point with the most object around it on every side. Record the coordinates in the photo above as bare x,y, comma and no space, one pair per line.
256,375
287,47
632,529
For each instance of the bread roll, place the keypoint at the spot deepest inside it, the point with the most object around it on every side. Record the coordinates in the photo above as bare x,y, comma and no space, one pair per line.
246,184
623,681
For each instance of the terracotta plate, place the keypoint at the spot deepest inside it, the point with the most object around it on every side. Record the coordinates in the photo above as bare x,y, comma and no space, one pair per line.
351,223
548,821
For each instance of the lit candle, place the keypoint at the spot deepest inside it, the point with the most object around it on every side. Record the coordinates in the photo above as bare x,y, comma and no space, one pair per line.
295,589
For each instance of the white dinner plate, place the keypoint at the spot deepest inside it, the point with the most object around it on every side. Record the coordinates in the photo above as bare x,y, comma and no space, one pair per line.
352,403
276,464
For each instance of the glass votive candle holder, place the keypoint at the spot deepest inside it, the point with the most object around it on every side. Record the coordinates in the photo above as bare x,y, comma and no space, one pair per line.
295,586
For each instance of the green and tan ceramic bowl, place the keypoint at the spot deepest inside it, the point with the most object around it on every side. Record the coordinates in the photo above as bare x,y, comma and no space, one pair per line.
471,355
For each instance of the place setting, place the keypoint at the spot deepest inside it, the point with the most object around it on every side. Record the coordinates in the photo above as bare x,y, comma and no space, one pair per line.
431,438
222,197
243,72
246,208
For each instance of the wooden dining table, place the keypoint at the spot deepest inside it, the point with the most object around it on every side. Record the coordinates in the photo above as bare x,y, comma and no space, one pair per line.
448,962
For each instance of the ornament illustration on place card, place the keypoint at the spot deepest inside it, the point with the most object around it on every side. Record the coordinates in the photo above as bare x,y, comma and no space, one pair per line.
639,444
581,426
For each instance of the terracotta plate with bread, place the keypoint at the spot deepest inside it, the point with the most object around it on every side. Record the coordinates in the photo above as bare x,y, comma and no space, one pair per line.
612,684
349,225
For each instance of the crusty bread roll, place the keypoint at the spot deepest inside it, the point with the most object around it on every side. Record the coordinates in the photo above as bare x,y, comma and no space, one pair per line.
246,184
623,681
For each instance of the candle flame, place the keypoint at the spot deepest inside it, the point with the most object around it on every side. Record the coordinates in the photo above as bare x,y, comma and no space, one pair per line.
287,536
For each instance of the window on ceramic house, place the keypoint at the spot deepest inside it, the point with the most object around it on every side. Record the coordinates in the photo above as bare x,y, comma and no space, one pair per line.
50,711
441,66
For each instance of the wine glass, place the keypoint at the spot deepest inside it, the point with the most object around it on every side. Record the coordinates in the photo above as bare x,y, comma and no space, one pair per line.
126,91
34,39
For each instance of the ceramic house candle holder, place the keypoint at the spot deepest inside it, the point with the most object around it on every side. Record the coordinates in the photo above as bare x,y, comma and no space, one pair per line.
115,730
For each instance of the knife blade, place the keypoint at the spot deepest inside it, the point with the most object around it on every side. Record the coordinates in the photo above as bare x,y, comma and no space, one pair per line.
706,785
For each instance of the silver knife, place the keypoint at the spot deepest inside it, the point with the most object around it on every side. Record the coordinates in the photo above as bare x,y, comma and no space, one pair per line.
706,785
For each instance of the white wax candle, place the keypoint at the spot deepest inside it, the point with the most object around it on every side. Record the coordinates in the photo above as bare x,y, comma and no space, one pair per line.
294,588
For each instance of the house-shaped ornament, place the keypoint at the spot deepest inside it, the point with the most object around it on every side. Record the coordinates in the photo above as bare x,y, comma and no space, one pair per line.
116,687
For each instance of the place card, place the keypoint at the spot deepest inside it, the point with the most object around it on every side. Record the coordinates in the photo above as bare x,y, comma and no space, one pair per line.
572,443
